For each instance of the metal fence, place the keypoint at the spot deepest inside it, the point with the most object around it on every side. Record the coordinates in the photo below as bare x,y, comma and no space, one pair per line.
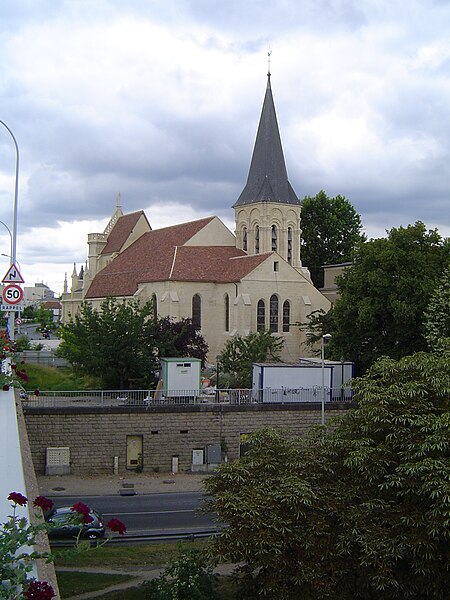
148,398
42,357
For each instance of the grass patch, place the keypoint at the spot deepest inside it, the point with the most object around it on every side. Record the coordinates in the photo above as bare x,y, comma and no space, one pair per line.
59,379
71,583
124,555
133,593
140,555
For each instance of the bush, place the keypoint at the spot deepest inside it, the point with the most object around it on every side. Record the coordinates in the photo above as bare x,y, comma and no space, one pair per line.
22,343
187,578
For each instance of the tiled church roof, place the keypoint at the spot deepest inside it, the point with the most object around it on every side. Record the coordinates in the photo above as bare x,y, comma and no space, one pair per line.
120,232
160,255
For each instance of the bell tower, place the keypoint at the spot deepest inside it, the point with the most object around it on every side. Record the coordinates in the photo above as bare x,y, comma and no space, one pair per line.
267,213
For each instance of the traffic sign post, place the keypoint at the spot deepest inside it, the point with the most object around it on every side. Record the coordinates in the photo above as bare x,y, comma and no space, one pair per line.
12,294
13,275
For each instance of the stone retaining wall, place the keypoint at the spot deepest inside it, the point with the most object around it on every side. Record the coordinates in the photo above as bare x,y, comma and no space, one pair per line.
96,436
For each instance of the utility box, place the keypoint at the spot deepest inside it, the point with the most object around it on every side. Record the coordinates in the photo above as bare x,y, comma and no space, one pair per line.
213,454
181,377
57,461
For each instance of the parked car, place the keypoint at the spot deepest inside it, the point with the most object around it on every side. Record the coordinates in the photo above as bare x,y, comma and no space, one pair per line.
65,524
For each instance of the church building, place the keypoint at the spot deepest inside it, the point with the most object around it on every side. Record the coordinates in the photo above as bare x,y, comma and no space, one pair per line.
229,284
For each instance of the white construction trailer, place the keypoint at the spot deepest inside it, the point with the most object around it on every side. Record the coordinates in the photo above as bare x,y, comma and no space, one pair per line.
302,381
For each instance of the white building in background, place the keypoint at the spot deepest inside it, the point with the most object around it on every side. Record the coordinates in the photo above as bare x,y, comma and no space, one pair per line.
37,294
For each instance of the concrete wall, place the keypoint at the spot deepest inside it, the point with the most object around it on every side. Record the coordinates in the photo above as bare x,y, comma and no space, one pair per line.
96,436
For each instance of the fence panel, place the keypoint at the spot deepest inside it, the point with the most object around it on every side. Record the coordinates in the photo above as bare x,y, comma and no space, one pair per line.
147,398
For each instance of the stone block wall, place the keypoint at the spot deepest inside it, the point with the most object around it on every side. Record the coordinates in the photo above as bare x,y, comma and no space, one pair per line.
96,435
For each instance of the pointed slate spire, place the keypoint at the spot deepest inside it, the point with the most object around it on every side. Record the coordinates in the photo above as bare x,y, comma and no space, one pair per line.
267,177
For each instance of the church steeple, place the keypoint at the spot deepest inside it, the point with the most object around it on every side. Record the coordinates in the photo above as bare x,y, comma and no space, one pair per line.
267,177
268,211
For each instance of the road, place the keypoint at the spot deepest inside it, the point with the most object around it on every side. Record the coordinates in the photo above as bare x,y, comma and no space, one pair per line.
151,514
29,329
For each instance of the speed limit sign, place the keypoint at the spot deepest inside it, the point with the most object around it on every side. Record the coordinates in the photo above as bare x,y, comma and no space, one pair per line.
12,294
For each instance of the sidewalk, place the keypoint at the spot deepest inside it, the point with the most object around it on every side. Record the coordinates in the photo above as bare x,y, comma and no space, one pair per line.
110,485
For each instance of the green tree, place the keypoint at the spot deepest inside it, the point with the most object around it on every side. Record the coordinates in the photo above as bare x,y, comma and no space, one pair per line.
240,352
383,297
44,316
29,312
110,342
122,341
356,511
331,231
437,315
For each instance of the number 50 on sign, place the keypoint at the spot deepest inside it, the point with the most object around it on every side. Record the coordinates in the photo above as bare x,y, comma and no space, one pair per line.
12,294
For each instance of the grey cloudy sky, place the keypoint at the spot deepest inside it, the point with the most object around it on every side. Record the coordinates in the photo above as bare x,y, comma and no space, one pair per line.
160,100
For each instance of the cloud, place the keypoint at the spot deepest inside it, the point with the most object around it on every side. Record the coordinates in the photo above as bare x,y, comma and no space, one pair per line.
161,102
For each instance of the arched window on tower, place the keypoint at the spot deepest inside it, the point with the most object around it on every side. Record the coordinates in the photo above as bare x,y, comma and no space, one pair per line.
274,313
244,239
274,238
227,312
155,307
286,316
261,316
197,311
289,246
257,239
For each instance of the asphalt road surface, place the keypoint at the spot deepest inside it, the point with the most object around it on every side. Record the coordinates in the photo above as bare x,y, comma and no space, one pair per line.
151,514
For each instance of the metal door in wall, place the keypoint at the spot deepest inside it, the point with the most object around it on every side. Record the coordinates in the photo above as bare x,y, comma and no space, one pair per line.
134,451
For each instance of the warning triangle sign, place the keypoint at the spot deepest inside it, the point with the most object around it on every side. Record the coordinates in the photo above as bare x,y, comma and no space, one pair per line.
13,275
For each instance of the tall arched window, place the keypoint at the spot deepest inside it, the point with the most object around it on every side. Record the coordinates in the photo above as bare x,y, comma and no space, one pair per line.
155,307
257,239
286,315
274,313
227,312
289,246
261,316
244,239
197,311
274,238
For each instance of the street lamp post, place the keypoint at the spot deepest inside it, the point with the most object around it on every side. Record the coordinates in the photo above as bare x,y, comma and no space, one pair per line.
325,337
218,357
14,227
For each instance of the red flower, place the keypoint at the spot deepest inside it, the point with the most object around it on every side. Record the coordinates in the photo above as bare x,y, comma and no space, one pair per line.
13,367
39,590
18,498
43,502
22,375
82,508
116,525
5,387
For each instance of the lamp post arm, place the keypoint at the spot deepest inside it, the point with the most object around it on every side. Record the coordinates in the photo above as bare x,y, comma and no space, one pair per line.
16,195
